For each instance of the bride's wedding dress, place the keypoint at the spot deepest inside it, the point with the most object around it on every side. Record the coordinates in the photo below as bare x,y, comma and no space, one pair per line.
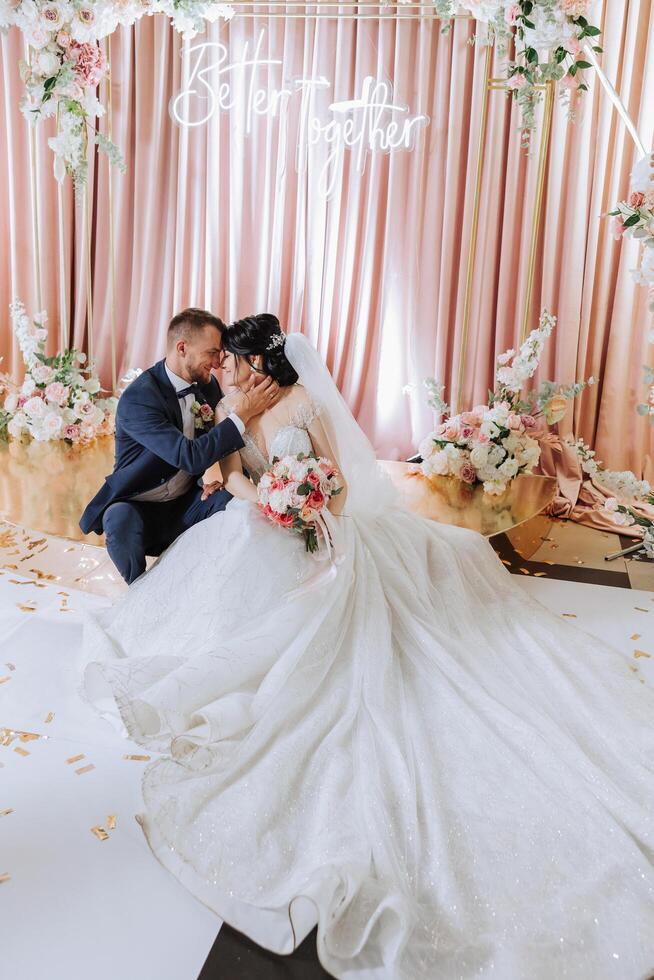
400,746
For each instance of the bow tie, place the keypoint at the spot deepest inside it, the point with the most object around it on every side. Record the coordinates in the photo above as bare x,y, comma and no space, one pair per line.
191,390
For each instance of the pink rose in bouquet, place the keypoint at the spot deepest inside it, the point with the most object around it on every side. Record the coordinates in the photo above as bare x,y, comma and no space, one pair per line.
294,492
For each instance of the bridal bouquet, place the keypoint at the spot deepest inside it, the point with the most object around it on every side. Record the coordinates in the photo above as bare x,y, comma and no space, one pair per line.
495,442
59,398
294,492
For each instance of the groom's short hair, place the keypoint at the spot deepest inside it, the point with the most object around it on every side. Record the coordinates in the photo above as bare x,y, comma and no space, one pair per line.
189,321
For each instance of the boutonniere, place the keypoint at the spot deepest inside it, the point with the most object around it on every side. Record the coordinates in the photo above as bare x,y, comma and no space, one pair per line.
203,415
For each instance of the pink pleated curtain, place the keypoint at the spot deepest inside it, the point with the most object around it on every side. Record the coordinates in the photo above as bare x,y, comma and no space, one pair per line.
375,274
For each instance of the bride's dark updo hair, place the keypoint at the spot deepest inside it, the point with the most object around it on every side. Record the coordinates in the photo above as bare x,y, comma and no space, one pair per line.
261,335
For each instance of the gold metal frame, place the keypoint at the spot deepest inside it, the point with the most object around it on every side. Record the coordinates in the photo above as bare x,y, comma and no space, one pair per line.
499,85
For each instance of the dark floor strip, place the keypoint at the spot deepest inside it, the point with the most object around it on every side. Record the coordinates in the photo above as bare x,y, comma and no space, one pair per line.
568,573
235,957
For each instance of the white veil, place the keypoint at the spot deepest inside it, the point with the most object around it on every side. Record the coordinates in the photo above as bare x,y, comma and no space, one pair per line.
369,490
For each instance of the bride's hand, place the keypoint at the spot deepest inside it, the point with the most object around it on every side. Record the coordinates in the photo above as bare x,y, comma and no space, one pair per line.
253,398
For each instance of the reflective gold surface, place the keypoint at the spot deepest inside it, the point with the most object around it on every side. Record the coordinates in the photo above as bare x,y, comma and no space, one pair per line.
450,501
44,488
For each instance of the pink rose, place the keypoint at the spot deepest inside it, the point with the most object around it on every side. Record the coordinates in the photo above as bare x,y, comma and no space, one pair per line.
315,500
468,473
636,199
206,411
467,431
72,432
64,40
515,422
482,438
328,469
313,479
451,433
528,421
511,13
57,393
469,418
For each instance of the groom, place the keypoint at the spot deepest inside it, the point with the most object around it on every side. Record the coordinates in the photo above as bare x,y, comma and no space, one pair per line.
165,440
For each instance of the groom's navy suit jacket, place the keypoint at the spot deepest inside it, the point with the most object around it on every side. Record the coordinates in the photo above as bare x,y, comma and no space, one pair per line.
151,446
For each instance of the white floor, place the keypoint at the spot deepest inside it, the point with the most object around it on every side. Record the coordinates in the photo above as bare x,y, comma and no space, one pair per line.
74,907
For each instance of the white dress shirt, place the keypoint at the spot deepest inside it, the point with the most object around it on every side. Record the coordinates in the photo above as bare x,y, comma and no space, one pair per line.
181,482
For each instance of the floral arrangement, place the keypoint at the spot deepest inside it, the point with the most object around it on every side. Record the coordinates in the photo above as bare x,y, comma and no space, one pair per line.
66,63
59,398
627,490
203,416
295,491
558,27
495,442
635,219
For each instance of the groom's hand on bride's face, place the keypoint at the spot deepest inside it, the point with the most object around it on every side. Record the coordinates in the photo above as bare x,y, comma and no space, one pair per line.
253,399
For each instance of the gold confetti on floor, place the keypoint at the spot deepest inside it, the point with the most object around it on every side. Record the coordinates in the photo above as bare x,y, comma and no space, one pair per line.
12,568
100,833
635,636
84,769
49,717
74,758
36,543
28,736
15,581
7,736
569,615
24,608
44,575
640,609
3,680
111,821
21,751
137,758
641,653
5,813
5,877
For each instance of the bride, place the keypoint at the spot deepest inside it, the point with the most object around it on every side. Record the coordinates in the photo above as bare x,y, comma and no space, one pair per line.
397,745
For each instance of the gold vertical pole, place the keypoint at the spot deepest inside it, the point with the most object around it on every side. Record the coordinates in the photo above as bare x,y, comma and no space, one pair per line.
112,259
86,221
36,234
63,306
548,110
475,225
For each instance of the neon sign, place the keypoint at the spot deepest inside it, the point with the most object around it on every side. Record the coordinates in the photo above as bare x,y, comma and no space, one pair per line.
366,124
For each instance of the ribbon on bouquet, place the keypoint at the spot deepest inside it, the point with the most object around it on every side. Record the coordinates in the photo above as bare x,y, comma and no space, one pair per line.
331,550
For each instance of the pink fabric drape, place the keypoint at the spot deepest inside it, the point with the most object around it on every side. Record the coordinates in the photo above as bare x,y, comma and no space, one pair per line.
375,275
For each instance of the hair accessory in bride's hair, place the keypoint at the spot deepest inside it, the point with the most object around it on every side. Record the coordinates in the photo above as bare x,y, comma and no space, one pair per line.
277,340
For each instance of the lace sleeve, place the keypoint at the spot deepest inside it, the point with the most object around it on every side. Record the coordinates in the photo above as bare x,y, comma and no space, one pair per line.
305,415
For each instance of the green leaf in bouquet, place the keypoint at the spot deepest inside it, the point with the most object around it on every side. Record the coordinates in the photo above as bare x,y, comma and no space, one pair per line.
304,489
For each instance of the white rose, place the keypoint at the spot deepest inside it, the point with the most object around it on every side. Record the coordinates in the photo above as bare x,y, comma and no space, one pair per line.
11,403
427,447
35,408
43,374
611,505
48,62
489,428
479,456
277,501
29,386
17,425
439,464
52,424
